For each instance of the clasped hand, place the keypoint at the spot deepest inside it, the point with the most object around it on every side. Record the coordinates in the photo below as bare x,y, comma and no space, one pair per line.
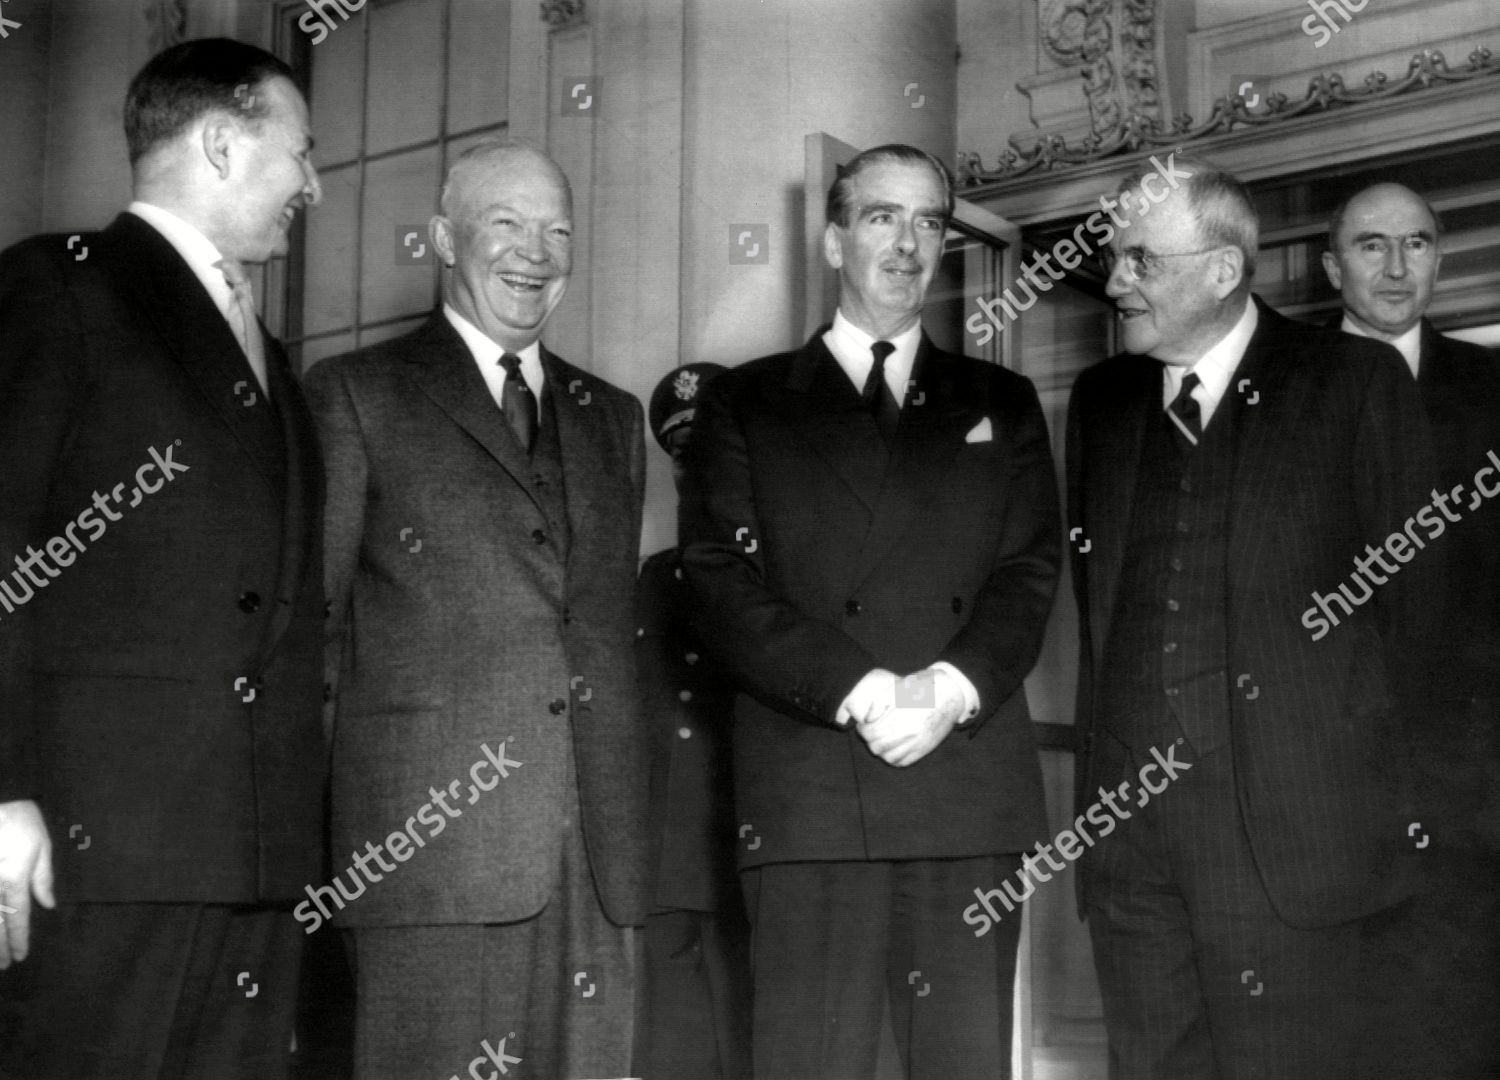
900,734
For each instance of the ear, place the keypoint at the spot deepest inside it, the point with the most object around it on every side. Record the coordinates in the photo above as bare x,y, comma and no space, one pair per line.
1229,271
215,139
833,245
1334,271
440,231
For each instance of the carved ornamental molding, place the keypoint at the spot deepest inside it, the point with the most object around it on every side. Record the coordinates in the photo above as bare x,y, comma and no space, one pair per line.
563,14
1132,133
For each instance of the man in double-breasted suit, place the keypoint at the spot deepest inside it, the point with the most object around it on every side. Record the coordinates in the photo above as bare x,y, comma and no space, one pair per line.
1437,967
483,522
870,526
161,613
1248,496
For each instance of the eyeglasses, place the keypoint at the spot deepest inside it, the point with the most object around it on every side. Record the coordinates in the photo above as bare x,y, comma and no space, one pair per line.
1378,246
1139,262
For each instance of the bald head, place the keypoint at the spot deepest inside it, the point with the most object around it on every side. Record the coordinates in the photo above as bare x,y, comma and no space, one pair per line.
1383,258
506,231
477,168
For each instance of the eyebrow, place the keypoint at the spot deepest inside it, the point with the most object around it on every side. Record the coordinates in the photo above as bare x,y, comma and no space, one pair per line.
1425,234
895,208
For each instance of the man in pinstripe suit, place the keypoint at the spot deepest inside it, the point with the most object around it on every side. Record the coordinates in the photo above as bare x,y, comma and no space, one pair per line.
1226,469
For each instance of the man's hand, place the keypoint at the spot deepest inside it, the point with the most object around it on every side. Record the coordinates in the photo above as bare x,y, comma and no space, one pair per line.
25,871
872,697
904,736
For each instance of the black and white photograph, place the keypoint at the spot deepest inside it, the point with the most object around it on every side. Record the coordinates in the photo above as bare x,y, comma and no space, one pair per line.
749,540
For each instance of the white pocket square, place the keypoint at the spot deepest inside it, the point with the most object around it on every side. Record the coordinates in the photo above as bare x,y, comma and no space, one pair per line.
981,432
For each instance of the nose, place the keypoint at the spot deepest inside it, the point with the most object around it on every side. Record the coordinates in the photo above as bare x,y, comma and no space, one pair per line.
1395,260
312,189
906,237
532,247
1119,283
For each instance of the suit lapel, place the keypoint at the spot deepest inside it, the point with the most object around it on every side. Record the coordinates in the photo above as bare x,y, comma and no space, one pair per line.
1262,433
304,481
935,417
445,371
197,337
821,405
580,449
1114,457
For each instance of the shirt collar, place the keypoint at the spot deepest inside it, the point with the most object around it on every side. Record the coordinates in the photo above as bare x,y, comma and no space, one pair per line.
1216,367
487,351
197,250
1409,344
851,348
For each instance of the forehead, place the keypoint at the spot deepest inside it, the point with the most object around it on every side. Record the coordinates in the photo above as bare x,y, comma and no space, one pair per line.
902,183
516,179
1169,225
1391,211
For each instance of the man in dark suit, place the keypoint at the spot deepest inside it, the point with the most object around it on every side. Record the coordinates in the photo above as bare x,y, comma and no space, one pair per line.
483,523
1226,471
866,506
697,963
160,659
1439,964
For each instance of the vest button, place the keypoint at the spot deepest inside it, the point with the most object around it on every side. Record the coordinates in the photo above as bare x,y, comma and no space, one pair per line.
684,733
1182,527
1185,484
1174,691
558,707
684,695
1173,605
852,607
538,537
1169,647
1176,563
249,602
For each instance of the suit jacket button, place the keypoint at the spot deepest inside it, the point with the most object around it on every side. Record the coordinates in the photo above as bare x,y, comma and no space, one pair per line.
684,733
691,658
958,605
558,707
538,537
852,607
249,602
684,695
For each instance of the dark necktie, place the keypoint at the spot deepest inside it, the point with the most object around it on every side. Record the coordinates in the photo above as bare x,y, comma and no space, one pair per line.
877,394
518,401
1187,417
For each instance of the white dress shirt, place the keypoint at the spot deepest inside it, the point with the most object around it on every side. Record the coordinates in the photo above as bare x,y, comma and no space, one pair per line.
1409,344
850,346
487,353
196,250
1215,369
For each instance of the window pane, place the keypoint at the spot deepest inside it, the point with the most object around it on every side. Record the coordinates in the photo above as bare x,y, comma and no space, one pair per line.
338,83
401,194
406,74
331,226
479,52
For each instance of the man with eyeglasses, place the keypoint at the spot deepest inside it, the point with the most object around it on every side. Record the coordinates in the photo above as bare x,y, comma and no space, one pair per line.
1442,960
1224,467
